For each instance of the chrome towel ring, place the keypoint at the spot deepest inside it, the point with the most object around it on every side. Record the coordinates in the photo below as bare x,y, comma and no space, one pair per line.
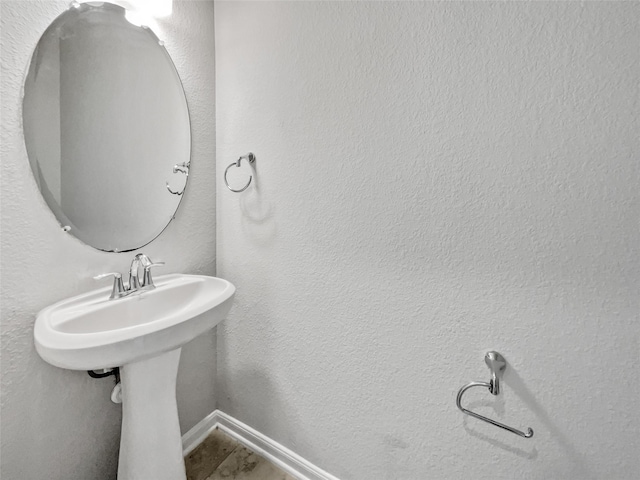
497,364
180,168
251,158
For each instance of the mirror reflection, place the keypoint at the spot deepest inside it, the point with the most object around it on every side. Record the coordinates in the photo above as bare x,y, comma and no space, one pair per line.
106,127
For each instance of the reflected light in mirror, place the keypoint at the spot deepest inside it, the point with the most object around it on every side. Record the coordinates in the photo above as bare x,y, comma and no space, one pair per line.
155,8
139,12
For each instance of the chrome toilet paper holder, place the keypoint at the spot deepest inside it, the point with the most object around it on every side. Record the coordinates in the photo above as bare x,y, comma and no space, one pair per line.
497,364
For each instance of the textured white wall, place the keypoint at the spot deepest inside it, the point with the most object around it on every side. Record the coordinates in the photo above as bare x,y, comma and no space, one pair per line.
433,180
59,424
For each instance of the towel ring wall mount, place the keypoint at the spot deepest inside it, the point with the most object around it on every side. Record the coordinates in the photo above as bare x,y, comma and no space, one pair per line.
497,364
249,157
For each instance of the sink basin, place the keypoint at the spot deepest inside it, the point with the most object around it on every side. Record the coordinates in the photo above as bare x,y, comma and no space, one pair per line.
143,334
89,331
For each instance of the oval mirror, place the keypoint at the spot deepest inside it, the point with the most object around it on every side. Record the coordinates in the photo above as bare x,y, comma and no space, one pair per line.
106,127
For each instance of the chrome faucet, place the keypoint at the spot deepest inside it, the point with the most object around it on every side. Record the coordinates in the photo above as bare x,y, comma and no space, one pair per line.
135,284
118,289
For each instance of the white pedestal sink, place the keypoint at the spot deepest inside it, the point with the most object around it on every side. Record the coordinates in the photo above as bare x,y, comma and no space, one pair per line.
142,334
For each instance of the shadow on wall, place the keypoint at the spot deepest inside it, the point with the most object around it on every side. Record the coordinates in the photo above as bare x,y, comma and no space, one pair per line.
497,407
257,214
269,413
497,404
516,383
81,410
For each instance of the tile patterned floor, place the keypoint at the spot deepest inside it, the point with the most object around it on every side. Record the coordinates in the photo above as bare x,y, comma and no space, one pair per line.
221,457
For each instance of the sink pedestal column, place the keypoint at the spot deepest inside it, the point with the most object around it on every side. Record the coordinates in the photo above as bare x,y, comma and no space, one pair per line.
151,444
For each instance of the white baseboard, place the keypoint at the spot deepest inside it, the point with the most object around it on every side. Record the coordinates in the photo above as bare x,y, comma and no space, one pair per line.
277,454
199,432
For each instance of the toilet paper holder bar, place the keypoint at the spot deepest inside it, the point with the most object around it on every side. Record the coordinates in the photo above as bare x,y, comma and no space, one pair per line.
497,364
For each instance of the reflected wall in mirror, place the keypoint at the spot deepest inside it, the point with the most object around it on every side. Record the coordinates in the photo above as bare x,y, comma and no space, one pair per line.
106,127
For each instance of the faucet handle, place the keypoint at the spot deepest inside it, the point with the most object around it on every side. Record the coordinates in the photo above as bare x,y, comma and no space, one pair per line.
147,281
118,287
